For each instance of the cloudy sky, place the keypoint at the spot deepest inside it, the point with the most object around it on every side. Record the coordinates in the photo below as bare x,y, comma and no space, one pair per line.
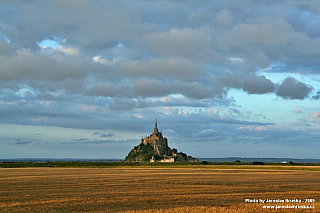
87,79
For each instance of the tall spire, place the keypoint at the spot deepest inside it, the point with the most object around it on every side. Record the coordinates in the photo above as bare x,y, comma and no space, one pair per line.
156,127
156,124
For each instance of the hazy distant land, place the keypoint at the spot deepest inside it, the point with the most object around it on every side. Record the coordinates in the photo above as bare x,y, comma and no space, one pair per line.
227,159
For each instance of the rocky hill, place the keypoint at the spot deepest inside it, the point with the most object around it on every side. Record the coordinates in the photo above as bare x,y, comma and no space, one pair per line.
143,153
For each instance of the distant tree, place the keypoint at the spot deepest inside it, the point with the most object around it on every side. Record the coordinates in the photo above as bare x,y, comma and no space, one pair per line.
257,163
204,163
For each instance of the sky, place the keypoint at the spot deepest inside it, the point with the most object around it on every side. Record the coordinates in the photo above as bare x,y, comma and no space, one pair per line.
87,79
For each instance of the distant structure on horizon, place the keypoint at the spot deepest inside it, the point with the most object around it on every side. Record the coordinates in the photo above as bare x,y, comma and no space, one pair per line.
154,148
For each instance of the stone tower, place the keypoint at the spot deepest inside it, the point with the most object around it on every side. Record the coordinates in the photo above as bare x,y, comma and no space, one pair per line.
157,141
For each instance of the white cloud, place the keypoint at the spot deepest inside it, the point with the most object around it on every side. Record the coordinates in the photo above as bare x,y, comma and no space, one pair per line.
68,50
315,116
297,111
114,61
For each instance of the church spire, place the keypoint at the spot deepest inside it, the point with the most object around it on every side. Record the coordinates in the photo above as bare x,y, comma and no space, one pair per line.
156,127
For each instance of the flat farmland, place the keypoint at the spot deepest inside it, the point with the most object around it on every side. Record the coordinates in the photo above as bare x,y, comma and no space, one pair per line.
147,189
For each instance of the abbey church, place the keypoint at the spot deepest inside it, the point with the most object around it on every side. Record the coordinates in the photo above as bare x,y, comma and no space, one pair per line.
157,141
154,148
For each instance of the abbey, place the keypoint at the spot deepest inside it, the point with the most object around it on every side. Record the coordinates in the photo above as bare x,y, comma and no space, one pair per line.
157,141
154,148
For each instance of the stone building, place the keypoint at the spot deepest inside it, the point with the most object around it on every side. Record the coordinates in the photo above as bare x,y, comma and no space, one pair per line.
157,141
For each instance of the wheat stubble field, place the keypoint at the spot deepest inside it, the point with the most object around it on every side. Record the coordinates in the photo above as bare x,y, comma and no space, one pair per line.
203,189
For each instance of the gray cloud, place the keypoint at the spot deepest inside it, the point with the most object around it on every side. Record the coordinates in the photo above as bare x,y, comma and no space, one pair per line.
109,89
173,51
290,88
104,135
317,96
99,141
107,135
115,64
27,65
225,18
179,68
22,142
186,43
124,104
206,133
248,83
149,87
82,139
98,133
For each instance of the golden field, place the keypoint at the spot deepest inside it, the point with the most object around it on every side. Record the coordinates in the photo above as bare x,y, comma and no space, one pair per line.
147,189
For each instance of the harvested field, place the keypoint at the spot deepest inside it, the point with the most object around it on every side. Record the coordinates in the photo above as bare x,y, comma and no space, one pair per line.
202,189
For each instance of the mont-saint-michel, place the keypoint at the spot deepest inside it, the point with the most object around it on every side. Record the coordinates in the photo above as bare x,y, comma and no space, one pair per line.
154,148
